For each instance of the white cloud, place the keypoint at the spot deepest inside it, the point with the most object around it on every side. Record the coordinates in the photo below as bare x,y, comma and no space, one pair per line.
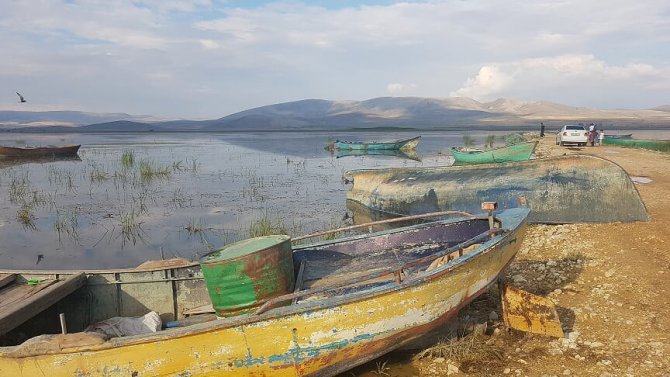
584,75
488,81
94,52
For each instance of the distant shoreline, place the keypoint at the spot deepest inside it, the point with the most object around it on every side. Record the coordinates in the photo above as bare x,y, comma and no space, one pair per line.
517,128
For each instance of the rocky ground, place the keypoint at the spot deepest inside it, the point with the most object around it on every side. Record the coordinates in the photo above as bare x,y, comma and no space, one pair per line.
610,284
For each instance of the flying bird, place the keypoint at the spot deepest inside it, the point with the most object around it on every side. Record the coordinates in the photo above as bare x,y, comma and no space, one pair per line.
21,99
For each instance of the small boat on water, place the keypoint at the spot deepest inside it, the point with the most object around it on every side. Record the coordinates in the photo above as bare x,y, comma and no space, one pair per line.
618,136
403,144
564,189
348,301
48,151
654,145
513,152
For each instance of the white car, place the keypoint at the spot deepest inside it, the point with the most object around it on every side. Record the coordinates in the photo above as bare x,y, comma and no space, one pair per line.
572,134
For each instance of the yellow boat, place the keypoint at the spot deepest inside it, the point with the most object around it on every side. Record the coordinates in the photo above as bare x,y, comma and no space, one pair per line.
355,299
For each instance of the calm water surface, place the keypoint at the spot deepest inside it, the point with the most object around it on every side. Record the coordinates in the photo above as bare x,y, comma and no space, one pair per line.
207,190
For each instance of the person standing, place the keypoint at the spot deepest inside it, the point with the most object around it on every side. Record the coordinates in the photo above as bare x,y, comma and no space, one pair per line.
541,129
592,134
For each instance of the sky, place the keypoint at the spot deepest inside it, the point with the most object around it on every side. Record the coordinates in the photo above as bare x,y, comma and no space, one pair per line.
205,59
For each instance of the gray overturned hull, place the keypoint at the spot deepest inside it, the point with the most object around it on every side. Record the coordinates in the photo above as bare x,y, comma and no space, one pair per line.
565,189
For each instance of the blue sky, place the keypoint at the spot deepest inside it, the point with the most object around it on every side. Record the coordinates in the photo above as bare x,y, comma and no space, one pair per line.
208,59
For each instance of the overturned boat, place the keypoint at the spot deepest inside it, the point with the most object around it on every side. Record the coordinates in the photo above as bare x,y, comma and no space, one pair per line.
565,189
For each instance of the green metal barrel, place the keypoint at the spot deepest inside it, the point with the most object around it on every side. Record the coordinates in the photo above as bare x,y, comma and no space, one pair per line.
243,274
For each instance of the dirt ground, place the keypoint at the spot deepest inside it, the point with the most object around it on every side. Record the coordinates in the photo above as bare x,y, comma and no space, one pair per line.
610,284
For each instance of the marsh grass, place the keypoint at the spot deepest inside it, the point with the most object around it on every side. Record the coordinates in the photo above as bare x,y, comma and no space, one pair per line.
128,159
97,174
67,223
194,226
266,226
19,187
26,217
61,177
149,171
131,228
180,199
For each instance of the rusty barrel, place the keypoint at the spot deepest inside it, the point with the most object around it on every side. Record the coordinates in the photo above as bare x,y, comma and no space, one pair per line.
242,275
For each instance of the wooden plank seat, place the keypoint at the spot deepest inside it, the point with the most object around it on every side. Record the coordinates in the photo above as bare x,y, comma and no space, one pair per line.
20,301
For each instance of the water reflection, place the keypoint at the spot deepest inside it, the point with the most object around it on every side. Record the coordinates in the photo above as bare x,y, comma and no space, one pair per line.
411,155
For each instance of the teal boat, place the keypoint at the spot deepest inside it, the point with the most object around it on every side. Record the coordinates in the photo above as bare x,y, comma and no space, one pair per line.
514,152
654,145
403,144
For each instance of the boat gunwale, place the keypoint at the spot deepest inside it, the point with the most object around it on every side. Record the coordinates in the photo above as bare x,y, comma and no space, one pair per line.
479,151
516,222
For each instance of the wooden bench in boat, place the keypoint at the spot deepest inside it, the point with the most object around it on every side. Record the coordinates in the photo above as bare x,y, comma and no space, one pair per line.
20,301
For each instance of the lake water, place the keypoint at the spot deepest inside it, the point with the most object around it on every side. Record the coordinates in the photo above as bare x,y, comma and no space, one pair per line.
183,194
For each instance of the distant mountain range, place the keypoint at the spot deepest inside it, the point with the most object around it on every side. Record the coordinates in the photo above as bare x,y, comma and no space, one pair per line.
384,112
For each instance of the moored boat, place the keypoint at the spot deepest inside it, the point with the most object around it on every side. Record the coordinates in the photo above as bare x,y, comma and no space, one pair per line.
655,145
403,144
618,136
48,151
355,299
564,189
513,152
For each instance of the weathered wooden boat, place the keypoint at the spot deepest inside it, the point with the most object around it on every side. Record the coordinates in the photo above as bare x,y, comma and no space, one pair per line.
355,299
48,151
655,145
513,152
618,136
409,154
403,144
565,189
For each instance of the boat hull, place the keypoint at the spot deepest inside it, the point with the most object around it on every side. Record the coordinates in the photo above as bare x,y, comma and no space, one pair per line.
62,151
514,152
565,189
403,145
655,145
314,338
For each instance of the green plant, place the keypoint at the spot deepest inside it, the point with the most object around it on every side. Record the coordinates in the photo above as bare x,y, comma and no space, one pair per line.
514,138
131,228
128,159
25,216
67,223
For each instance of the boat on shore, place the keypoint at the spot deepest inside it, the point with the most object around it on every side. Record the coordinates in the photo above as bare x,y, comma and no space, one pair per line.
40,152
402,144
654,145
353,299
513,152
564,189
618,136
